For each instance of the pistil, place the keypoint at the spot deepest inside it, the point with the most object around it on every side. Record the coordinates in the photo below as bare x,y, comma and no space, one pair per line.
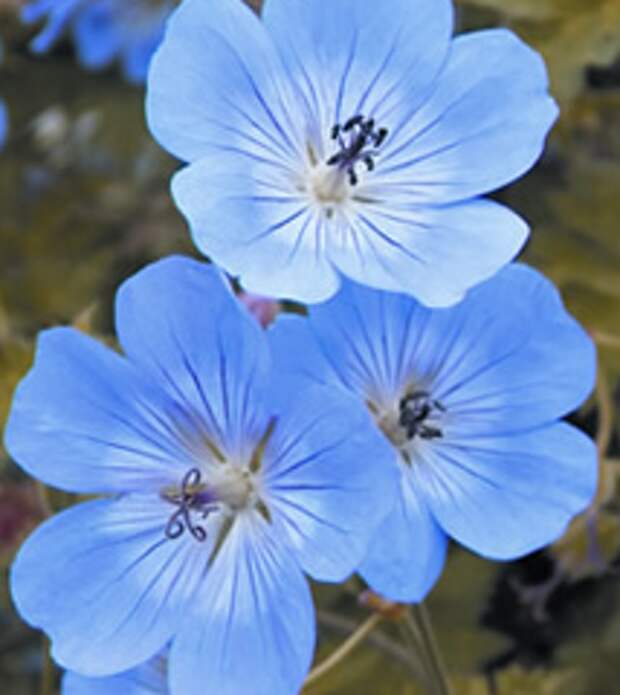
359,142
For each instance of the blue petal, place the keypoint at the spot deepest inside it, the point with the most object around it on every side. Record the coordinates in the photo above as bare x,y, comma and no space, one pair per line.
178,321
510,357
84,420
146,679
105,583
434,254
296,349
34,10
97,35
259,231
367,338
216,82
252,627
137,55
4,123
408,551
505,496
349,57
493,367
330,477
484,125
61,12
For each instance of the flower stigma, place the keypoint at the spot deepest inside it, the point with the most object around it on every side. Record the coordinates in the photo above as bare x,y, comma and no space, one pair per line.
359,142
231,489
333,181
416,417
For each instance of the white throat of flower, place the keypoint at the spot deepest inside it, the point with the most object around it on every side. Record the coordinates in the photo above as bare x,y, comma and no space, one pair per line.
221,487
332,183
413,418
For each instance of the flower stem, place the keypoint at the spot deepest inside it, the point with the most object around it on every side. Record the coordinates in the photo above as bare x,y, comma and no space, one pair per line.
419,624
47,676
606,339
344,649
605,404
378,640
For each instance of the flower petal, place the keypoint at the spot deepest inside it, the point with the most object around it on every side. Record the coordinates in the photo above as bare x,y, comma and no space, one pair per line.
483,126
105,583
296,350
508,358
146,679
178,320
348,57
366,338
4,123
137,54
329,476
60,12
214,82
84,420
435,254
254,229
97,36
491,365
409,549
505,496
253,622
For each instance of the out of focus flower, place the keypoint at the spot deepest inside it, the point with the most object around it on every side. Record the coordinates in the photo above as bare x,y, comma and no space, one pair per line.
470,398
103,30
4,118
347,138
4,123
224,485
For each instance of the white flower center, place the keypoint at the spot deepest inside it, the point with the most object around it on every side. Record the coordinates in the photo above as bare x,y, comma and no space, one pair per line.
416,416
233,486
329,185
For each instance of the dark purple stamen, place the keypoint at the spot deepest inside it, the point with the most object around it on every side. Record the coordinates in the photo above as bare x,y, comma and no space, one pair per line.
359,142
193,498
415,408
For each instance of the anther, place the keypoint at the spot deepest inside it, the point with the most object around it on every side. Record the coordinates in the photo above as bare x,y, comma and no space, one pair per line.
415,409
191,499
360,145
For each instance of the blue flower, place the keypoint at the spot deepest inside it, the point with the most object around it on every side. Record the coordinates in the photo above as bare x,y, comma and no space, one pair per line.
4,123
224,485
103,30
339,139
4,117
147,679
470,399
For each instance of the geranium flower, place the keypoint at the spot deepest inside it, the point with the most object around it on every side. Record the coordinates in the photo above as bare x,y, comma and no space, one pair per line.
147,679
469,398
225,484
341,138
103,30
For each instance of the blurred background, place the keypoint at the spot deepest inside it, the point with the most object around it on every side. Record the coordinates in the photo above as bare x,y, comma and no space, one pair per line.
84,203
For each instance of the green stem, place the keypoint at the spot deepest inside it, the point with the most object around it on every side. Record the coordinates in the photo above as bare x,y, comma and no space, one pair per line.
378,640
47,676
423,673
606,339
418,622
344,649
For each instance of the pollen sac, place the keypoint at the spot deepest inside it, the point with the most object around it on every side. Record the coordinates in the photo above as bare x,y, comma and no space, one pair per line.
359,141
415,409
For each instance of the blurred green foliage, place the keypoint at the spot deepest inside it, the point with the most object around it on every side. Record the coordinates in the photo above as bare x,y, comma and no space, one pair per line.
84,202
